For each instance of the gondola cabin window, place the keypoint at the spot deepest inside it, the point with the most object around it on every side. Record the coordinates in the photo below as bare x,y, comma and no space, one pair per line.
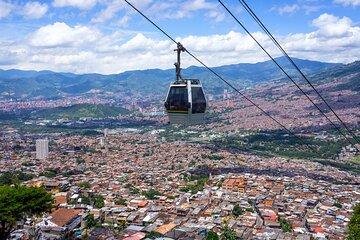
198,100
178,99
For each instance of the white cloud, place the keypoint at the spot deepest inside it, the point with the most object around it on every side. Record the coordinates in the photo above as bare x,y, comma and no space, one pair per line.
82,49
61,35
5,9
114,7
123,22
8,57
195,5
81,4
31,10
172,9
109,12
310,8
186,9
140,43
288,9
332,26
335,40
218,16
348,2
34,10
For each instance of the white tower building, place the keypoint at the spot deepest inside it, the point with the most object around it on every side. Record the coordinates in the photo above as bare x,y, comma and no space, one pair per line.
42,148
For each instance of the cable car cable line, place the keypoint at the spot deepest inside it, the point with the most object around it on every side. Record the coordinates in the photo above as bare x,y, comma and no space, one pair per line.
260,23
291,79
194,115
221,78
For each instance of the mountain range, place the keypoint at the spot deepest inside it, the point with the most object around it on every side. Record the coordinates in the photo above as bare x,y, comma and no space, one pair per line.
48,84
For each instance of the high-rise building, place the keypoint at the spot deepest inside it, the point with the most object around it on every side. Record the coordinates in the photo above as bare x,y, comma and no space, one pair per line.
106,132
225,94
102,142
42,148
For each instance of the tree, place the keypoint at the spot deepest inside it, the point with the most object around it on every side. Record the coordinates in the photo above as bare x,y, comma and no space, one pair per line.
84,185
120,201
285,226
227,233
354,224
90,221
19,202
99,201
80,160
249,210
153,235
237,211
85,199
211,235
14,177
338,205
151,194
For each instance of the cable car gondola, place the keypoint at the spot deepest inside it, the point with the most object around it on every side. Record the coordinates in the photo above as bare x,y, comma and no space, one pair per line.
185,101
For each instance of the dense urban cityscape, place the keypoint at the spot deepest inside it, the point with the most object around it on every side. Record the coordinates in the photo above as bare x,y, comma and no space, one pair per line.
179,120
161,181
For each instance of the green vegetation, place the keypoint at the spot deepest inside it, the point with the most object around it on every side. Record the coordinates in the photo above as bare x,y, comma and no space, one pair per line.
212,157
351,70
237,211
227,233
19,202
80,160
99,201
85,199
78,111
153,235
354,224
27,164
249,210
151,193
90,221
355,160
49,173
131,188
338,205
345,166
211,235
91,133
277,143
198,186
120,201
95,200
49,85
84,185
71,172
170,197
285,226
14,177
79,130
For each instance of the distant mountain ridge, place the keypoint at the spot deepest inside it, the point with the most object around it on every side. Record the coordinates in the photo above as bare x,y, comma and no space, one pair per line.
48,84
350,75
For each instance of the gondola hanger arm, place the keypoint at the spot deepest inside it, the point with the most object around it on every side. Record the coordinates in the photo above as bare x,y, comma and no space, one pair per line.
180,48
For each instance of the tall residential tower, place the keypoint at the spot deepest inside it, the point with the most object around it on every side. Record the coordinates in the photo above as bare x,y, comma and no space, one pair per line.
42,148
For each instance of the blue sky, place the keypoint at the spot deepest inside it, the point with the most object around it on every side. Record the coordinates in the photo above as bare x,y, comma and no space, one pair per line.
106,36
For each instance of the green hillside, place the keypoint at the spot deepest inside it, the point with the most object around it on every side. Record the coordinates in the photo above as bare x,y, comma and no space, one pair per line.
46,84
350,74
78,111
